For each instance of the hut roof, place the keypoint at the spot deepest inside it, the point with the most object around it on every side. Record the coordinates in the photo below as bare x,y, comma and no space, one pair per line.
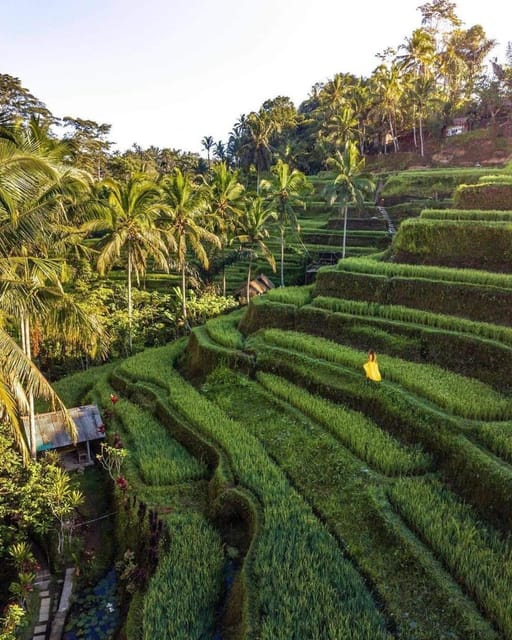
260,284
50,431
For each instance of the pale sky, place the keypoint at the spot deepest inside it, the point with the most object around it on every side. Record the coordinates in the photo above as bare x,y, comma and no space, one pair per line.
168,73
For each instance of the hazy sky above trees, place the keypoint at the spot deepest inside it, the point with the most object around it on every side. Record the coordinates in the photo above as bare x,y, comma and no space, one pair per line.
168,72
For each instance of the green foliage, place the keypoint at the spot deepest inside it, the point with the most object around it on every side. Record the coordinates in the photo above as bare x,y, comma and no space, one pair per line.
457,394
400,313
393,269
497,437
455,243
297,296
224,330
353,429
466,214
476,555
311,573
186,584
429,183
484,196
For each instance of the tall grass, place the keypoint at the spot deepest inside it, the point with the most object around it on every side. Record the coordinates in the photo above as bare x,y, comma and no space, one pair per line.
182,595
224,330
298,296
160,459
391,269
476,555
457,394
497,437
362,436
466,214
296,566
400,313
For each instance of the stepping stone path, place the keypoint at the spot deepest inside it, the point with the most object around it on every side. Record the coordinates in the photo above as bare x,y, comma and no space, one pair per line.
42,583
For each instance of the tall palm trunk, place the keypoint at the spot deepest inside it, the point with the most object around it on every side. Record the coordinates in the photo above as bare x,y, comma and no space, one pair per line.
282,256
223,271
344,243
25,345
248,289
184,297
422,149
130,302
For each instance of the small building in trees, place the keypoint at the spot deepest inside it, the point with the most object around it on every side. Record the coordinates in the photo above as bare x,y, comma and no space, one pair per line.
52,435
259,285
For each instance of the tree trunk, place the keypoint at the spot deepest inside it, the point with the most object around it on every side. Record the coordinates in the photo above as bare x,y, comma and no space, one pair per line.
345,215
130,303
422,150
25,343
282,257
223,271
248,289
184,297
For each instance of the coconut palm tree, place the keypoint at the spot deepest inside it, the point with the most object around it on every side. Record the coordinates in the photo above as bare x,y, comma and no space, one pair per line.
35,190
254,231
182,218
224,207
131,213
285,191
349,186
208,143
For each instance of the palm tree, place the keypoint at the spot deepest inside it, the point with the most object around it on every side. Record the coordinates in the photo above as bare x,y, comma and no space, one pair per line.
208,143
285,189
224,207
259,128
35,191
182,205
130,217
254,232
348,187
388,86
419,59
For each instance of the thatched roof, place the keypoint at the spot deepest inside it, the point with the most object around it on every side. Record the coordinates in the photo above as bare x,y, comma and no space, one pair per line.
50,432
260,284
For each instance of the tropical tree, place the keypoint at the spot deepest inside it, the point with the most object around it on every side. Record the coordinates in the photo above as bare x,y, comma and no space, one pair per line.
208,144
224,207
349,186
130,215
259,130
182,218
35,191
285,191
388,87
419,61
254,231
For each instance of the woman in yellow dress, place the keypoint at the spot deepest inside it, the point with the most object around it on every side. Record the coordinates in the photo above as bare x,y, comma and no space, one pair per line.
371,367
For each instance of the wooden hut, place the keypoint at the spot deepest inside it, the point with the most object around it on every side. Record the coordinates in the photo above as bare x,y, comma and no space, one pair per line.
257,286
51,434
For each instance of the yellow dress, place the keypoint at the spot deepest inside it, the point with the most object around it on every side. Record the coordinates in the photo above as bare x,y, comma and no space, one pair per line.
372,370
